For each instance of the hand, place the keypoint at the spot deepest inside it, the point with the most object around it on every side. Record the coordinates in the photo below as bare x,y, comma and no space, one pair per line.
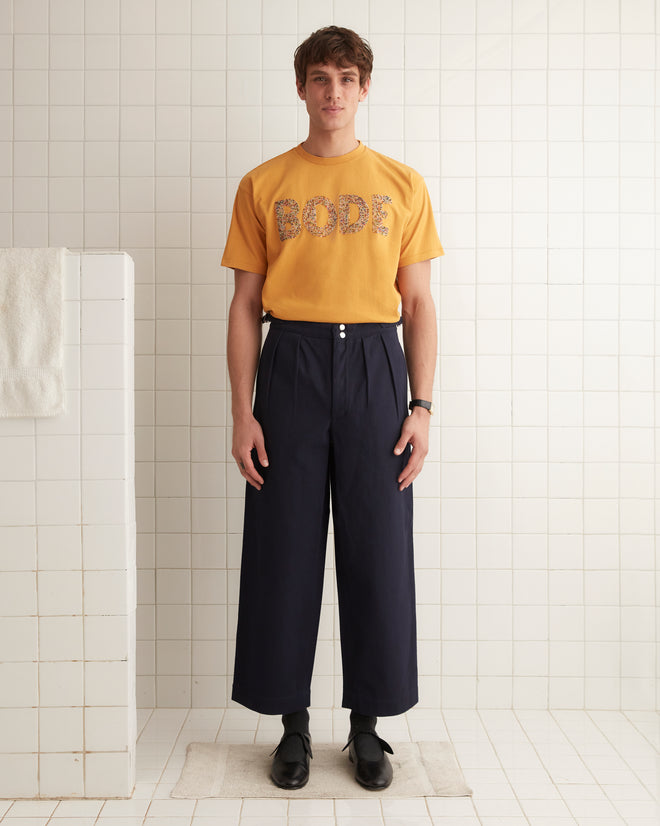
415,431
247,435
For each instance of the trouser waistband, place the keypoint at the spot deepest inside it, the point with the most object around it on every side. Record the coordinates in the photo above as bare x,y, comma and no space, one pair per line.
326,329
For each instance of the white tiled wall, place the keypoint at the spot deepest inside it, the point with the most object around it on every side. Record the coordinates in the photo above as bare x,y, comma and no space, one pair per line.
127,125
67,558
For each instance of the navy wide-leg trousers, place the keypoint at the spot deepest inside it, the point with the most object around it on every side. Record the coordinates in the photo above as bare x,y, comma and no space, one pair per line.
331,399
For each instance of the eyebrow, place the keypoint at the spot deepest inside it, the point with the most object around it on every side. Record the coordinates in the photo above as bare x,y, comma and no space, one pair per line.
342,71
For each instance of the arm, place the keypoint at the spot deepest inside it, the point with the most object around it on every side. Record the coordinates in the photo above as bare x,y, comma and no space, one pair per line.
243,348
420,346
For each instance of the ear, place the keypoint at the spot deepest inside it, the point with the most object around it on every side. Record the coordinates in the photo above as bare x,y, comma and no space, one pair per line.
300,88
365,89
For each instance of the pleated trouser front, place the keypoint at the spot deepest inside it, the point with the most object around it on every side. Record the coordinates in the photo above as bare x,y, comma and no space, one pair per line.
331,400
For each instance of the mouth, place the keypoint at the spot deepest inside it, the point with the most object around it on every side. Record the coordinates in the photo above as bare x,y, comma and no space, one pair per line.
332,109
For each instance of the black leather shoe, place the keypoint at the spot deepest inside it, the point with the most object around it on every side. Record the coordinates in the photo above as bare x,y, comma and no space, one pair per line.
372,774
291,774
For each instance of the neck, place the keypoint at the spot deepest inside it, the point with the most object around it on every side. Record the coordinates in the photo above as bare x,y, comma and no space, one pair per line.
330,144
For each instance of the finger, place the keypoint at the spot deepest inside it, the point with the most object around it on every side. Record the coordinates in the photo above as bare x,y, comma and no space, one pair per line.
403,441
413,457
409,480
410,471
247,468
400,445
261,450
250,480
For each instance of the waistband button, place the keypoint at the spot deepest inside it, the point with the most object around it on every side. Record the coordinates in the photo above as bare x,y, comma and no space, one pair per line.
342,326
342,335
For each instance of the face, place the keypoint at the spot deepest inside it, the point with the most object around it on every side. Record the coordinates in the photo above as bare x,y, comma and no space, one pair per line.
332,95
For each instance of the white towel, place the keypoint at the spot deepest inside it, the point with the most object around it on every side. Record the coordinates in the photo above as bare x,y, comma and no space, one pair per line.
31,331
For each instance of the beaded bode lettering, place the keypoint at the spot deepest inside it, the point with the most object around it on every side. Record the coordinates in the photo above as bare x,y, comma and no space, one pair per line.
309,216
345,202
288,223
350,220
378,213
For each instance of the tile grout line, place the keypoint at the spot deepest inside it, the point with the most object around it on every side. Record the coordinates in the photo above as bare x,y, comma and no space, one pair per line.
619,395
655,388
512,388
618,751
643,734
191,304
453,745
503,768
80,416
532,743
577,750
175,737
583,539
474,440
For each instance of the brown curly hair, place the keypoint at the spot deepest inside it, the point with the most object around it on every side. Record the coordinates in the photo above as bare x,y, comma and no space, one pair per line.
334,44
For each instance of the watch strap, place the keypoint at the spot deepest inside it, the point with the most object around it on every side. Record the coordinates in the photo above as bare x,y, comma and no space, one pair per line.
421,403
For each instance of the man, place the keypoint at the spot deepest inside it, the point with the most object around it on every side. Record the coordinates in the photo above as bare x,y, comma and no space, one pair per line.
329,239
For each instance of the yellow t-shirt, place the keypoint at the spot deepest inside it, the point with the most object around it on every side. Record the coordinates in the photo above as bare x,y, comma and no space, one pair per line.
330,233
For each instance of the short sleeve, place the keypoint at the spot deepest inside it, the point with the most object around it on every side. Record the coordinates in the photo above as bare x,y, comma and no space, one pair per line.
246,240
420,239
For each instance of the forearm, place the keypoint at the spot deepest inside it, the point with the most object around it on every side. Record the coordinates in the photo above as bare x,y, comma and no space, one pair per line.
243,348
420,343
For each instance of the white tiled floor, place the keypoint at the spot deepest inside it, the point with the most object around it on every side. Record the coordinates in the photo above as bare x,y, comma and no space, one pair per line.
544,768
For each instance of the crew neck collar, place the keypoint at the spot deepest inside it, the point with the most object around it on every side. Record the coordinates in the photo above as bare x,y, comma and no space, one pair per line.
337,159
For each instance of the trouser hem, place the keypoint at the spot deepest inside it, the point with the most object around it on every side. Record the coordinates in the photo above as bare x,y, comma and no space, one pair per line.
379,708
271,705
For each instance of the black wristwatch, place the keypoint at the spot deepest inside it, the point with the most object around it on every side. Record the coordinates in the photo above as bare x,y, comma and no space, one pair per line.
421,403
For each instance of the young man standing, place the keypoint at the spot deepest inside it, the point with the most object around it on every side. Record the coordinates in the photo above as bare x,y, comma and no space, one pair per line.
329,239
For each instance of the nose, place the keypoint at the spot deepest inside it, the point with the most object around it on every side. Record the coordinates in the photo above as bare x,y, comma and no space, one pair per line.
332,90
